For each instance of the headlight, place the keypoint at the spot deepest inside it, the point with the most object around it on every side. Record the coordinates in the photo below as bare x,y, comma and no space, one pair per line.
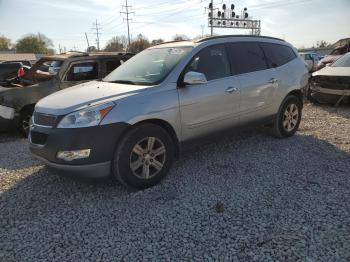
91,116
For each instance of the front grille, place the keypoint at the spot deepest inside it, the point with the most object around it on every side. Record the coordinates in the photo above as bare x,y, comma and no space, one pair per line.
38,138
333,82
44,119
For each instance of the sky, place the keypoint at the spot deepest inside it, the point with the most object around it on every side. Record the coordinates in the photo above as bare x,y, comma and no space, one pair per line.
300,22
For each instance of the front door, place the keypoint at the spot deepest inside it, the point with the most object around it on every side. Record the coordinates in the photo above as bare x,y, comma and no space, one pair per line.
212,106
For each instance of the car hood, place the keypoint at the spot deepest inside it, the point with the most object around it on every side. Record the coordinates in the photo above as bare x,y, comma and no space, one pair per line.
333,71
85,95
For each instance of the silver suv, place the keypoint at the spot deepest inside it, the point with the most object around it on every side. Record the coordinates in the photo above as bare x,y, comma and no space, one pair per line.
133,123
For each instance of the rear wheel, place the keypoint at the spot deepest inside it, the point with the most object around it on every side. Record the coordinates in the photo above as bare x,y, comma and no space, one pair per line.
143,157
288,118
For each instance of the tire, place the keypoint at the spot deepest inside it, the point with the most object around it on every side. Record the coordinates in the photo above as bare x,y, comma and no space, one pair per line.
134,156
288,119
24,123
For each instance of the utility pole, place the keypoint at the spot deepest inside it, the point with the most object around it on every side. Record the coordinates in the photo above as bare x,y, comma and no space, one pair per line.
87,40
127,13
97,28
212,15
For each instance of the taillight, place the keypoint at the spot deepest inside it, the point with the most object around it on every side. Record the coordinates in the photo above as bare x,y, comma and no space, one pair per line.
21,72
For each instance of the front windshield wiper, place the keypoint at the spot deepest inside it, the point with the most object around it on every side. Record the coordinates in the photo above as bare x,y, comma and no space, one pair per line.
128,82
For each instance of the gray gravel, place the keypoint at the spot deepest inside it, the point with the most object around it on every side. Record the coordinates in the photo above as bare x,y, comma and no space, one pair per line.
246,198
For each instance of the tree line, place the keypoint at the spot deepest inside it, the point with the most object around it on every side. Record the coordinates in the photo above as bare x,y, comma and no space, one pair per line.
120,43
31,43
41,44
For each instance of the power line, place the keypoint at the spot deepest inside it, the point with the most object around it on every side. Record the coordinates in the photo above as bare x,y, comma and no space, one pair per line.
127,13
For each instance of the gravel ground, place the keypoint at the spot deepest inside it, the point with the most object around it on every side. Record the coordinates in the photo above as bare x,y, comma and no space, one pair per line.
250,197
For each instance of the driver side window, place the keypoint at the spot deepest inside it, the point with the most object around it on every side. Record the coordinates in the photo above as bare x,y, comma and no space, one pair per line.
212,62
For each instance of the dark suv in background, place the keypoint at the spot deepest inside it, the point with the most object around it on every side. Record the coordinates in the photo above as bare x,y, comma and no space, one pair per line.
19,96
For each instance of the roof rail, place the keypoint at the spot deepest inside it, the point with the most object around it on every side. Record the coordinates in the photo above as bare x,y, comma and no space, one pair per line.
227,36
169,42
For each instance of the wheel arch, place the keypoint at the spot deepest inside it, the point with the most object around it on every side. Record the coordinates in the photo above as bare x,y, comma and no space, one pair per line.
163,124
27,107
297,93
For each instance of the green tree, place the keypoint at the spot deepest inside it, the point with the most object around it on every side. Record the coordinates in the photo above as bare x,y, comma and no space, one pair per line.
157,41
116,44
178,37
38,44
139,44
322,43
5,43
91,49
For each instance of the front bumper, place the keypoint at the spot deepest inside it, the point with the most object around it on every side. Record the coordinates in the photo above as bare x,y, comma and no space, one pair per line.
45,142
328,95
338,92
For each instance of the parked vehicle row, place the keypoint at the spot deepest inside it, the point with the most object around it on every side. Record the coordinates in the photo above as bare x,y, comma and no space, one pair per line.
19,95
136,120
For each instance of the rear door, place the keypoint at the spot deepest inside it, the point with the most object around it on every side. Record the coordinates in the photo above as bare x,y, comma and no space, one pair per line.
281,57
258,81
212,106
80,72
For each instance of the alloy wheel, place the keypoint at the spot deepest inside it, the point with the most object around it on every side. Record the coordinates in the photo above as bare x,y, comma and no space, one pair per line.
290,117
147,157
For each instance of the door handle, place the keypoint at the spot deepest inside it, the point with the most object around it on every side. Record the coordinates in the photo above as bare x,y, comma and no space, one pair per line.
231,89
273,81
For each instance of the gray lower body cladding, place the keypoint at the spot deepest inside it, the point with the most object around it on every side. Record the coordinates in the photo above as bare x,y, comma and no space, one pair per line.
101,140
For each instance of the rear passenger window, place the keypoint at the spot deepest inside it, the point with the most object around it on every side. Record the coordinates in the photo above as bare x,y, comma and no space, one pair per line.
278,55
247,57
212,62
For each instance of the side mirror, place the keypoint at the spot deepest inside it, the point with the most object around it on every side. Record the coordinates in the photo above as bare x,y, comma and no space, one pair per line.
194,78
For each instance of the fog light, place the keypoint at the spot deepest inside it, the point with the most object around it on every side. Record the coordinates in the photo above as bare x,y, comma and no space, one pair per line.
72,155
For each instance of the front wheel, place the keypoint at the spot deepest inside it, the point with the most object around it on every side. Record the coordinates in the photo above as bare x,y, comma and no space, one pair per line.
288,119
143,156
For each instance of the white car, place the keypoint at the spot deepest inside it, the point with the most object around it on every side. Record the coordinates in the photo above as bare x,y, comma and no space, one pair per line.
55,67
311,60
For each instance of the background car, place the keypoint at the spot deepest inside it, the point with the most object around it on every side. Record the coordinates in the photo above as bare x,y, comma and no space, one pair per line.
23,62
311,60
55,66
332,83
9,71
333,56
19,96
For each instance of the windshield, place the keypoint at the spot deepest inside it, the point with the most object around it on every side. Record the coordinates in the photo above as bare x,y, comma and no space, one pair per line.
149,67
344,61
